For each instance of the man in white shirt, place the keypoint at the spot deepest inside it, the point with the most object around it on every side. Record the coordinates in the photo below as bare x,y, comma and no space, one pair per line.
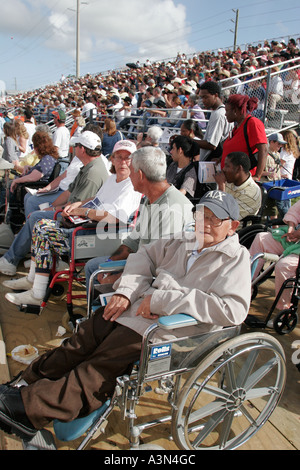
90,109
61,135
218,127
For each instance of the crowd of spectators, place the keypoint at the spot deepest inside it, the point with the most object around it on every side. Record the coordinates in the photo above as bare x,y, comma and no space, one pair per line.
159,85
176,93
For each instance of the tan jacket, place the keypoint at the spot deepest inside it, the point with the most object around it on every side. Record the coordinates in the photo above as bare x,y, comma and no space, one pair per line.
216,290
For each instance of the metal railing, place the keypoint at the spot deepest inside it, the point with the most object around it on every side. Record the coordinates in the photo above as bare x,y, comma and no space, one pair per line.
278,92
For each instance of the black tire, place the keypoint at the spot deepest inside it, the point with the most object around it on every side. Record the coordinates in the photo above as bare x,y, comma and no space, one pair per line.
285,321
247,234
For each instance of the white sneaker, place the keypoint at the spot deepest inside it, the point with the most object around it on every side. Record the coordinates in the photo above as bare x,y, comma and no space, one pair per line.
18,284
23,298
270,324
7,268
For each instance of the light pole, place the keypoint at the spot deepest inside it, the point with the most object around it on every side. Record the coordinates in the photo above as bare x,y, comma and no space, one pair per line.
236,28
78,40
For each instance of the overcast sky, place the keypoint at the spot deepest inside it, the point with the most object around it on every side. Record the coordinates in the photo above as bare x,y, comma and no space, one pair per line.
38,37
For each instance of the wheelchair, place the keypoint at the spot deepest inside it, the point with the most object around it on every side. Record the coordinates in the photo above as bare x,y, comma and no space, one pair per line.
85,243
252,225
15,203
221,387
286,320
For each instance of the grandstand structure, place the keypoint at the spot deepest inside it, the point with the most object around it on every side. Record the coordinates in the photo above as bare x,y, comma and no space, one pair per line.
253,82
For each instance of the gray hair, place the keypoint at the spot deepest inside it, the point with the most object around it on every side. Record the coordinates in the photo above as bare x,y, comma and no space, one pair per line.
194,98
43,128
152,162
154,133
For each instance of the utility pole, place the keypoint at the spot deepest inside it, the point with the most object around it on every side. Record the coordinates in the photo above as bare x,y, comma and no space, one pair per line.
236,28
78,40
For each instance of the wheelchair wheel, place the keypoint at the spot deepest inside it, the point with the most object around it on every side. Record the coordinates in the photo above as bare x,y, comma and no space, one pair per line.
58,290
247,234
285,321
231,394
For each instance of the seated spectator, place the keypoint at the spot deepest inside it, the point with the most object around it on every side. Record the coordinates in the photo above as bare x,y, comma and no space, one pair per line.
175,114
61,134
50,193
114,203
181,172
190,128
153,136
117,108
272,172
238,110
31,158
89,110
10,144
288,155
41,171
235,179
22,137
86,184
165,210
106,345
30,127
285,241
194,111
275,92
110,136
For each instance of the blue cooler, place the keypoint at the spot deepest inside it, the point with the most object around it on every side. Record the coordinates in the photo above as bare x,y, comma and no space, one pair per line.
286,189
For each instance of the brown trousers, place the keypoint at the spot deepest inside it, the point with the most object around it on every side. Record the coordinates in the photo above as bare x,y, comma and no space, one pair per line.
75,379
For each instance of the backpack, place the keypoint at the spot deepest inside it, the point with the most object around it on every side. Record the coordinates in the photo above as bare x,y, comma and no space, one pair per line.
201,188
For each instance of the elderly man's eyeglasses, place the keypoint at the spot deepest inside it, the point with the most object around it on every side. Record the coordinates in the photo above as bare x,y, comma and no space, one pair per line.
211,219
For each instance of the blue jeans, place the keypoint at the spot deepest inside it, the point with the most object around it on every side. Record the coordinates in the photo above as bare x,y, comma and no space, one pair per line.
283,206
91,266
21,245
32,202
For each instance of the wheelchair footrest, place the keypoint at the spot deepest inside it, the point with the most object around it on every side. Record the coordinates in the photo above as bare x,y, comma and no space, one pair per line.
35,309
43,440
76,428
254,322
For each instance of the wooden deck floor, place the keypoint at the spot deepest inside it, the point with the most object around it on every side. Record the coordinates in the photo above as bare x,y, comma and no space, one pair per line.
282,432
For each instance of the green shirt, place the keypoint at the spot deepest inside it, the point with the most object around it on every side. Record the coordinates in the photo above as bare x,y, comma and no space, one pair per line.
166,216
88,181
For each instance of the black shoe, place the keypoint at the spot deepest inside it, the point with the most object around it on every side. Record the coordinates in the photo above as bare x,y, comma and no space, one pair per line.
13,418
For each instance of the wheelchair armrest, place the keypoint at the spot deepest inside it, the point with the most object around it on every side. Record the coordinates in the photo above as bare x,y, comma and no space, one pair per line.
178,320
113,264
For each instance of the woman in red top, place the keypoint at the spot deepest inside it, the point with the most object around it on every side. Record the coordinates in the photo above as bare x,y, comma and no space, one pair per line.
238,110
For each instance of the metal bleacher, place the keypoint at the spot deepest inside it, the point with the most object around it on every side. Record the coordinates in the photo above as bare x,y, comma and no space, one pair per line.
285,115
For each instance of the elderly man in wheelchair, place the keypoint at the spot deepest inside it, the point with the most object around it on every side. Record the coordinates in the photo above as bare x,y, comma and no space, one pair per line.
206,275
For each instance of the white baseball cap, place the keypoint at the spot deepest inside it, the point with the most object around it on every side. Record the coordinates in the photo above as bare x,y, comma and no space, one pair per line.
127,145
88,139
